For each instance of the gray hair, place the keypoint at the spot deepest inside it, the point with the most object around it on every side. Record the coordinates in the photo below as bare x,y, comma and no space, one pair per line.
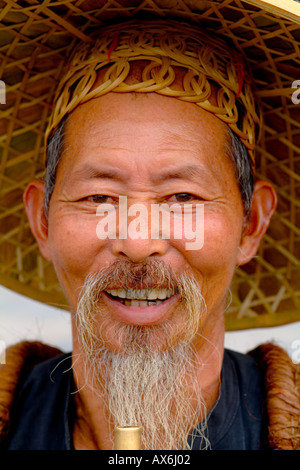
53,156
238,153
235,149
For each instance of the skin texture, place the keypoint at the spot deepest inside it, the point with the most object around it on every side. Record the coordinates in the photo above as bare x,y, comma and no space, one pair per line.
123,145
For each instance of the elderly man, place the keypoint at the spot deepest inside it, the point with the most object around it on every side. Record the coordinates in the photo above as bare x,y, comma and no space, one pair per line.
147,305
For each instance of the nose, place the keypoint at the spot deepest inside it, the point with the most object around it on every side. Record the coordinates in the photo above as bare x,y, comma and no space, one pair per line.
138,250
139,236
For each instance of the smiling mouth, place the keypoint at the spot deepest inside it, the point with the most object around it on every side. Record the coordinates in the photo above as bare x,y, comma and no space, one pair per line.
140,297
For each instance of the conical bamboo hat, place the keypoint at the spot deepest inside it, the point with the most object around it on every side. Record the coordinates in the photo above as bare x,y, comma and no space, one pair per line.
36,42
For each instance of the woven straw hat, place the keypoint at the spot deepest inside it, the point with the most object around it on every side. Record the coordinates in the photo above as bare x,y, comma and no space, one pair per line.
36,42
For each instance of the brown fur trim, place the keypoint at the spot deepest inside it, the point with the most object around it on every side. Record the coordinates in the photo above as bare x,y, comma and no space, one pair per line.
20,359
282,382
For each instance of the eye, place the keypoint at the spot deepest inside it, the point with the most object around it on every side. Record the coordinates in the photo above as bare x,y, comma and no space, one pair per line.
99,198
183,197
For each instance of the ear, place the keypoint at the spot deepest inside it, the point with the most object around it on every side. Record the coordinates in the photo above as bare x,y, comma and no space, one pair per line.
34,204
264,203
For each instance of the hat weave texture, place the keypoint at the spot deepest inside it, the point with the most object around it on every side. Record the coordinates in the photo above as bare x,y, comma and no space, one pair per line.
212,79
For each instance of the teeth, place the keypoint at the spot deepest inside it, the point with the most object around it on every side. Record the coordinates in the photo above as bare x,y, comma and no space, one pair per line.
162,294
119,293
140,303
141,297
152,294
141,294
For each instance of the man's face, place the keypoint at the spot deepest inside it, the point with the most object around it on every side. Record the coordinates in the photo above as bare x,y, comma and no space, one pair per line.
151,150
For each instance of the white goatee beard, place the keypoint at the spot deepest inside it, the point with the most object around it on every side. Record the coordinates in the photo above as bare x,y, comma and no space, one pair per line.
142,386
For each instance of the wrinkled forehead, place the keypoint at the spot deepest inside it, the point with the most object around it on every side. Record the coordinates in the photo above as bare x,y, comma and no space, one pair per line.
164,57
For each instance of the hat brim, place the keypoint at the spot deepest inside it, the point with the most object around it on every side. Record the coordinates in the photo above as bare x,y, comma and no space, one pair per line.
36,40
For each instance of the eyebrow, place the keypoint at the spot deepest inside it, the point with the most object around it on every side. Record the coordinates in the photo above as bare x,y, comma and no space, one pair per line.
87,172
188,172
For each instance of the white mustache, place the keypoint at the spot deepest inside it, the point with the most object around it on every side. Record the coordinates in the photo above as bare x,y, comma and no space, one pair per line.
124,274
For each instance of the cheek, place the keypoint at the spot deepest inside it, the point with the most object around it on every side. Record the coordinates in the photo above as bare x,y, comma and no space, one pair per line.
221,242
214,264
74,246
